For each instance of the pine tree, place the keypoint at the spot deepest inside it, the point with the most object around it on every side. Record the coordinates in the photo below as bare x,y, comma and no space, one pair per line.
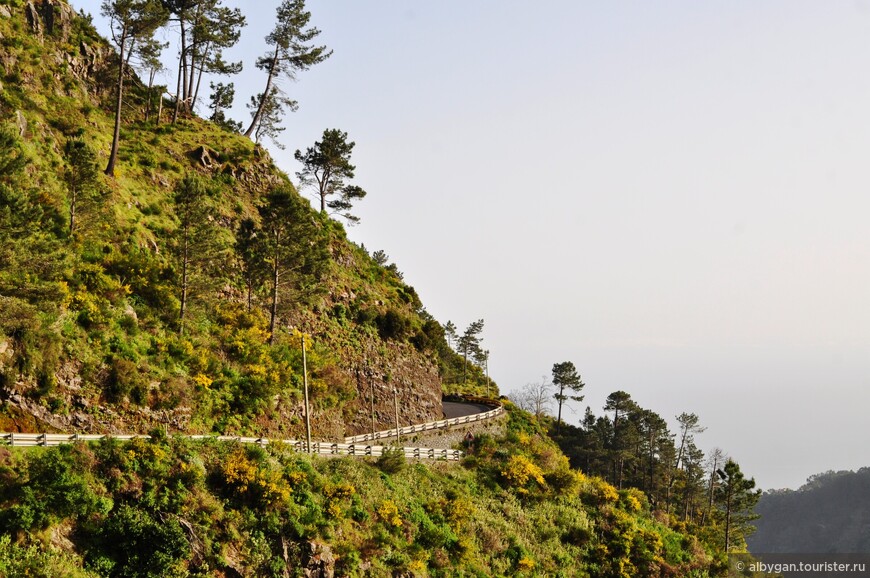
82,179
736,497
222,96
565,376
469,345
326,167
195,242
291,52
620,403
268,114
450,333
132,21
149,60
689,426
250,264
290,246
216,29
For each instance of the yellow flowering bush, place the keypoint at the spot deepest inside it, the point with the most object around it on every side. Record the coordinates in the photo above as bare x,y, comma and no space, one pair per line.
519,470
389,513
525,564
254,483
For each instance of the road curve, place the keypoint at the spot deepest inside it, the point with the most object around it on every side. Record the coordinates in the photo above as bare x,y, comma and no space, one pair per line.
454,409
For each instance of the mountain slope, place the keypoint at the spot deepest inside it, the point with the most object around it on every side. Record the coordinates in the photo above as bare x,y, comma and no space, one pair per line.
830,513
90,332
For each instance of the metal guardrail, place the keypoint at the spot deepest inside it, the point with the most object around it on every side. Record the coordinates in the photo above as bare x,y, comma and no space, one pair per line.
432,425
320,448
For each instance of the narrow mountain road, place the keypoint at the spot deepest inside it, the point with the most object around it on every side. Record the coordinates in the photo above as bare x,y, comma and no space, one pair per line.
455,409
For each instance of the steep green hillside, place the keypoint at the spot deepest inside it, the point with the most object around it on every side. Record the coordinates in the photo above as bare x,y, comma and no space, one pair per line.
173,297
171,507
146,299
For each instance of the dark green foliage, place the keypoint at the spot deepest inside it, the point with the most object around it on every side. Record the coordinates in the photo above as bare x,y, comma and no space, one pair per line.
326,168
125,380
196,244
290,54
221,99
137,544
565,376
392,325
291,246
57,485
12,158
392,461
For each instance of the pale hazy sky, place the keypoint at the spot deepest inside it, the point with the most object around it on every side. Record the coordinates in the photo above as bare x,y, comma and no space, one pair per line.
673,195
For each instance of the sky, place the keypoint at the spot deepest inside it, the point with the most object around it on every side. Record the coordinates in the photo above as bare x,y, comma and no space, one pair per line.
673,195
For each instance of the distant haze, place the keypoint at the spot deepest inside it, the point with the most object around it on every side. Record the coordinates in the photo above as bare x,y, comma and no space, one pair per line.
673,195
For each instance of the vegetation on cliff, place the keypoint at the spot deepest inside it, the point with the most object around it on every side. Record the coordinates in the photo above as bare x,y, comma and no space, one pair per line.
166,297
173,507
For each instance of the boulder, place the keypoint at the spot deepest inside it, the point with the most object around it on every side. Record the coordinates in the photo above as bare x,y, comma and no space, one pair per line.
318,561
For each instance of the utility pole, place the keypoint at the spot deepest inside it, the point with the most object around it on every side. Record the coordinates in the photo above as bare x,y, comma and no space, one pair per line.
396,403
307,404
371,396
486,366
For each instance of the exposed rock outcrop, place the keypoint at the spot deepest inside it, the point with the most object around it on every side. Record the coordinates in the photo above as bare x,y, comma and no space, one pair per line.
50,17
318,561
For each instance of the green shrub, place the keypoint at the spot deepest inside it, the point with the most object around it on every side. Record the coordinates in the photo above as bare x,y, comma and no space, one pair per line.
135,544
124,379
56,485
392,461
37,561
392,325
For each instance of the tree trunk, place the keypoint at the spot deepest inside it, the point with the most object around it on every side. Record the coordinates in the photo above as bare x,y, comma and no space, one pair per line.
728,519
185,263
159,109
266,92
196,91
183,63
712,485
177,94
72,210
274,309
113,156
148,105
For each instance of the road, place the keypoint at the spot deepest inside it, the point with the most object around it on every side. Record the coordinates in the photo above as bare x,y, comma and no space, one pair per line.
454,409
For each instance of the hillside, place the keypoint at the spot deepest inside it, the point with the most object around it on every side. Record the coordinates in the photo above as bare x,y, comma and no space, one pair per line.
93,336
829,514
171,507
173,298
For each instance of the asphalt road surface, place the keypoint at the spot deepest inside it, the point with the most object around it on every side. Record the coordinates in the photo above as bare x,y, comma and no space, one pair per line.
453,409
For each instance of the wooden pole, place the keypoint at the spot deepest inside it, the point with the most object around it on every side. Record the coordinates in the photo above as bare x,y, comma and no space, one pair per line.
307,406
396,403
